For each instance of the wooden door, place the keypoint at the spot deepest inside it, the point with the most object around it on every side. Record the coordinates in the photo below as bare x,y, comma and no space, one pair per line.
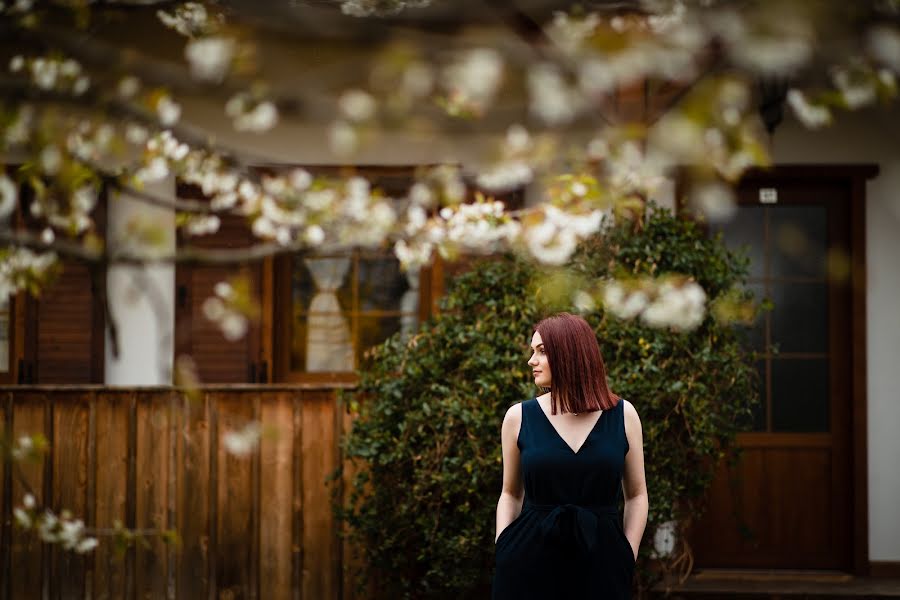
789,501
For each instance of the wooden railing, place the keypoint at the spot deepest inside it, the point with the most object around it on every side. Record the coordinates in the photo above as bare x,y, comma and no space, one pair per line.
259,526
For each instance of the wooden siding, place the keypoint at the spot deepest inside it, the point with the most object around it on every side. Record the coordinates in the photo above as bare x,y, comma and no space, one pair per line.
260,526
69,338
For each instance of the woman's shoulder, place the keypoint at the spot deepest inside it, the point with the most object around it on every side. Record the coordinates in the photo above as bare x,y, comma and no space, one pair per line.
513,417
514,412
629,411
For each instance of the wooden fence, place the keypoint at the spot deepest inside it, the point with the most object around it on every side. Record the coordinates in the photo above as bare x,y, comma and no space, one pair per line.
259,526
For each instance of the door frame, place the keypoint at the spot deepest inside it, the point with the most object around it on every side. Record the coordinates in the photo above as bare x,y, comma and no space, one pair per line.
854,177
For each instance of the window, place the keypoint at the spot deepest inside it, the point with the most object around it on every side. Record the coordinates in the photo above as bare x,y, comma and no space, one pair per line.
343,304
329,309
789,246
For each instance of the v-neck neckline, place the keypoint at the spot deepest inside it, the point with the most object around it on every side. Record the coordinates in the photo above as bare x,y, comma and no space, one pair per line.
560,437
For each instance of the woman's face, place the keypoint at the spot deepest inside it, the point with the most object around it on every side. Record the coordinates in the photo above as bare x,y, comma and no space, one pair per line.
540,367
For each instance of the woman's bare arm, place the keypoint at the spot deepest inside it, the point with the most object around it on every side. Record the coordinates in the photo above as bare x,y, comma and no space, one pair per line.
634,483
510,504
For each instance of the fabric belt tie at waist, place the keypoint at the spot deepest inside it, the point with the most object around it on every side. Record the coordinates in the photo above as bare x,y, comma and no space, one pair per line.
574,522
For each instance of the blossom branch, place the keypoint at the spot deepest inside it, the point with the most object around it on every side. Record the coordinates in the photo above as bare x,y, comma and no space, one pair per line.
185,256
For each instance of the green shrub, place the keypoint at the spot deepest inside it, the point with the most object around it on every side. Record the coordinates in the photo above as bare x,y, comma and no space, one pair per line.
427,437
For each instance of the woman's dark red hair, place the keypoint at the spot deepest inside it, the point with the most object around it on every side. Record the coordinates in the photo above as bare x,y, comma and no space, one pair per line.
577,372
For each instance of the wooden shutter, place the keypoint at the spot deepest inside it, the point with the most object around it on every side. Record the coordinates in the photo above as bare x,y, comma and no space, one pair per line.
217,359
68,330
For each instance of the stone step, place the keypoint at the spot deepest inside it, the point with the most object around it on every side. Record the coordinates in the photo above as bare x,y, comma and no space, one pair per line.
778,585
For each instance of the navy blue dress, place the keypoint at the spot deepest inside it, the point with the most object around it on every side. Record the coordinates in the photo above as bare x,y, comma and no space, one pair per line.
568,541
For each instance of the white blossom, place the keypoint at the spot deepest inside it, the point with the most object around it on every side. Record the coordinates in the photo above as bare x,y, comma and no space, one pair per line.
300,179
506,176
81,85
9,196
213,309
883,43
233,326
569,32
189,19
680,307
28,501
47,236
583,301
715,200
631,170
811,115
223,201
243,441
210,57
413,255
44,72
857,91
367,8
202,225
357,105
475,76
168,111
418,79
84,199
420,194
343,139
50,159
262,117
550,245
16,63
86,545
416,218
314,235
22,518
156,170
128,86
550,97
622,303
780,45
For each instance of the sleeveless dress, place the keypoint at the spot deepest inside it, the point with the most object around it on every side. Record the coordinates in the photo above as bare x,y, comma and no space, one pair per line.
568,541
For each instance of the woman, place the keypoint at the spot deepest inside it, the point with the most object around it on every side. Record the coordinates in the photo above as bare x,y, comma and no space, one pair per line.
564,456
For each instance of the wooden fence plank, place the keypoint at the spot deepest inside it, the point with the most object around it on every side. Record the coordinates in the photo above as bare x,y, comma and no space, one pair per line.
276,483
249,526
192,514
111,478
69,454
235,411
151,494
297,554
352,556
5,497
319,579
26,578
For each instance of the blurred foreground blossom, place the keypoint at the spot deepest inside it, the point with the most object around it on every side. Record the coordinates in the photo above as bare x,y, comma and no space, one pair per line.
210,57
472,81
714,200
63,529
231,307
243,441
812,115
674,303
21,268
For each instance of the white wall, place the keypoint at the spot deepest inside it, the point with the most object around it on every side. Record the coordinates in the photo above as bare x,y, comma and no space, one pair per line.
873,137
142,298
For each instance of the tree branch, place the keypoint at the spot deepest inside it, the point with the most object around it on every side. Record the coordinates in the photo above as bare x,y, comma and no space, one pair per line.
178,204
183,256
